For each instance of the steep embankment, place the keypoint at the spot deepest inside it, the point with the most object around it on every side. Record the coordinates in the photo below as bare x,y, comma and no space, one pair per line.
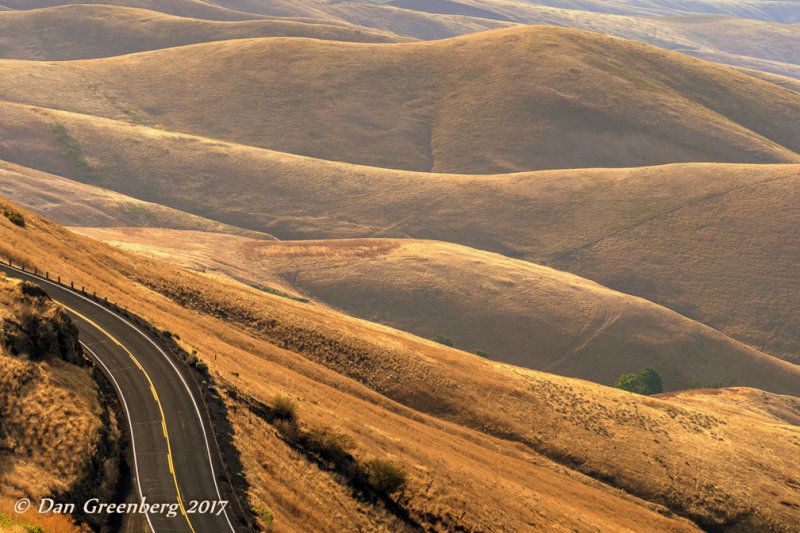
56,439
510,100
436,410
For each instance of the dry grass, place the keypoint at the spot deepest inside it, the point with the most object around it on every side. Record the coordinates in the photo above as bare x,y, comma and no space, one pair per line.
182,8
84,32
73,203
634,230
520,313
51,421
480,431
11,522
745,42
509,100
331,249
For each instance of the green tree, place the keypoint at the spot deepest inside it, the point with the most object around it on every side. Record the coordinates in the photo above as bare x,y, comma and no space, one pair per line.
646,381
443,339
631,383
651,378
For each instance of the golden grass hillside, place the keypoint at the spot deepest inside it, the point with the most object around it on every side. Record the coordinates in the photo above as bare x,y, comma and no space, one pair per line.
91,31
633,230
56,439
72,203
519,313
472,434
181,8
426,26
509,100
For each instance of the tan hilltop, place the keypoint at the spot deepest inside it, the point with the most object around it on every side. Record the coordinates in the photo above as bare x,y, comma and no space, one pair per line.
510,100
91,31
182,8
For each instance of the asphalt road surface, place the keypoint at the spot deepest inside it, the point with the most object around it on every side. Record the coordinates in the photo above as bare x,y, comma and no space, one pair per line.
172,456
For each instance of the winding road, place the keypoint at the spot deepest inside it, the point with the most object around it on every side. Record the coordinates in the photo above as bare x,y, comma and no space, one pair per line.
173,454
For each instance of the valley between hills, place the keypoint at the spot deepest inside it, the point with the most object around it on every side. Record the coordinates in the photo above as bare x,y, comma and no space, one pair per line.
422,240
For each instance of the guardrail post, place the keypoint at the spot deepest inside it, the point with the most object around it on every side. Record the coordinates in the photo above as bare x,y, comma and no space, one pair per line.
72,285
59,280
47,275
23,267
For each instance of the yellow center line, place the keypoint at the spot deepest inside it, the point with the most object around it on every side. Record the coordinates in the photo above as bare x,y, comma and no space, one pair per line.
160,407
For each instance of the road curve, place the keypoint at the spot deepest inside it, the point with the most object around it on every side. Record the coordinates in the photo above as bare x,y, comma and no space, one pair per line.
172,454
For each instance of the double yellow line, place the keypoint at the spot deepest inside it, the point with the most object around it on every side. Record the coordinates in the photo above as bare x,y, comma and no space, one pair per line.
160,408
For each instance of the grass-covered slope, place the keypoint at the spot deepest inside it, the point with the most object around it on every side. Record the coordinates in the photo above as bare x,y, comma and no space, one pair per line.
91,31
517,312
634,230
509,100
516,448
181,8
57,439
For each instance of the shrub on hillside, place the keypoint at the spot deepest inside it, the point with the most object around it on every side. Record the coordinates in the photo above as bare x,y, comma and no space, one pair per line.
15,218
283,408
330,444
481,353
646,381
386,477
443,339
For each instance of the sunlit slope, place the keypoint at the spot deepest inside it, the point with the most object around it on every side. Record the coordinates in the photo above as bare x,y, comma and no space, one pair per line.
488,431
252,365
73,203
519,313
415,24
181,8
785,11
90,31
635,230
515,99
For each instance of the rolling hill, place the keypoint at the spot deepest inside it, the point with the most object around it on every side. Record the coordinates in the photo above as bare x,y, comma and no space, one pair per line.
633,230
510,100
420,25
520,313
784,11
72,203
91,31
182,8
601,458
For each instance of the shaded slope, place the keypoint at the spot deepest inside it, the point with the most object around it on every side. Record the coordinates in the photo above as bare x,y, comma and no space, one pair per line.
690,459
508,100
520,313
634,230
84,31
